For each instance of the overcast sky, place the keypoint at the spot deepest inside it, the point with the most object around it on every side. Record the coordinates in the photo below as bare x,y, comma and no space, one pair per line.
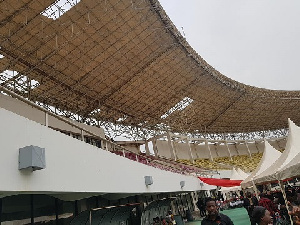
256,42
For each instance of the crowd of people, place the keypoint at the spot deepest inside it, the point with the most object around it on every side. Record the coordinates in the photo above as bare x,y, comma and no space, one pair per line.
165,220
213,215
258,214
275,205
269,208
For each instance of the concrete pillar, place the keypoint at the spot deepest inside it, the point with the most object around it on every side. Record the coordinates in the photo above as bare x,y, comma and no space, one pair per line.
236,148
154,143
106,145
248,149
256,147
81,133
226,143
46,119
216,149
147,148
173,156
175,149
279,145
190,150
207,146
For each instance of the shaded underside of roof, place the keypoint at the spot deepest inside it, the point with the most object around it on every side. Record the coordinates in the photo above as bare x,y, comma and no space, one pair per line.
125,61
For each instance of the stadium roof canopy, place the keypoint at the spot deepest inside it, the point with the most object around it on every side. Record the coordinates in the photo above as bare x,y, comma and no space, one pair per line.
124,60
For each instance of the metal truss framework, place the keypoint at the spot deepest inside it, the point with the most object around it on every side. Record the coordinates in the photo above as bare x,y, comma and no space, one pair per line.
22,86
122,65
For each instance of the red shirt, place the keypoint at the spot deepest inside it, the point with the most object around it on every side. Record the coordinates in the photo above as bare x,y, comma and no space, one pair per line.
268,204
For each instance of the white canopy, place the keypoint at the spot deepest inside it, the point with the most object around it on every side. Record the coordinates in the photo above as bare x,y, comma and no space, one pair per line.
242,174
229,189
236,174
292,169
270,155
291,150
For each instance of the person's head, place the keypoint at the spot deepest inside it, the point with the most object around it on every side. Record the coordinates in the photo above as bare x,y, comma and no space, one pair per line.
249,195
262,195
261,215
211,206
156,219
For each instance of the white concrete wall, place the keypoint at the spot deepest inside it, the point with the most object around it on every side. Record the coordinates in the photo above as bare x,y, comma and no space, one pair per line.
129,146
34,114
182,150
217,150
74,166
242,148
194,151
202,151
213,150
222,150
232,149
223,174
256,147
163,148
260,146
278,144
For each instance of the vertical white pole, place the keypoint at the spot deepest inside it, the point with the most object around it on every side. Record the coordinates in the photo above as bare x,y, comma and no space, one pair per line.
207,145
285,199
228,150
255,189
248,149
236,148
147,148
154,142
190,150
82,137
216,149
171,146
106,145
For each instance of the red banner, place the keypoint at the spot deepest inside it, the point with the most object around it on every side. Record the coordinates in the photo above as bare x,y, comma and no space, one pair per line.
221,182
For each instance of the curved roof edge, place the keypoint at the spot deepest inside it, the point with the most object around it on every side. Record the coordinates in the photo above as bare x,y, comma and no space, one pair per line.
211,70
